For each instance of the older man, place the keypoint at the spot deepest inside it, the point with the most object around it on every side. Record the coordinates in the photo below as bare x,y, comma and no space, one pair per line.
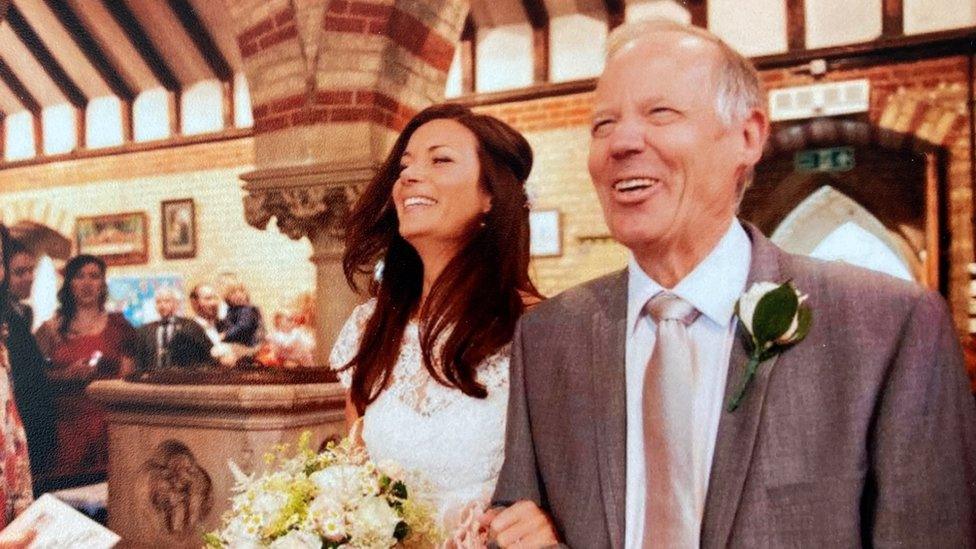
173,341
618,429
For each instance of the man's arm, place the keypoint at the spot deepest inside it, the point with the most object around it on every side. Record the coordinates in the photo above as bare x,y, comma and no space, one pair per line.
519,490
923,443
519,477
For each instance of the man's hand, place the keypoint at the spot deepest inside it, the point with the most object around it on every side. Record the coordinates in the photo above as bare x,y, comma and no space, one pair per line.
522,525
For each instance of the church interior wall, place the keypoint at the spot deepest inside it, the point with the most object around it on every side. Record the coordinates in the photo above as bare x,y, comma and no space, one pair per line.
275,268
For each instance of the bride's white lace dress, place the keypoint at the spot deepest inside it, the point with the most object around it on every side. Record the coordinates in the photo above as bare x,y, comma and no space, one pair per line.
455,441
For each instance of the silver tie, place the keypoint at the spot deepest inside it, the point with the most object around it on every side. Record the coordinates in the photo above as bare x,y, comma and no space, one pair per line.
670,381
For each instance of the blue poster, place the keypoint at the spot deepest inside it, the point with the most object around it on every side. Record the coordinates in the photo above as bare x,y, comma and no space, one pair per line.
135,296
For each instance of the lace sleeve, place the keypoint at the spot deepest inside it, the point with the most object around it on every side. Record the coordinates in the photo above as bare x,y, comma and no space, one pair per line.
347,344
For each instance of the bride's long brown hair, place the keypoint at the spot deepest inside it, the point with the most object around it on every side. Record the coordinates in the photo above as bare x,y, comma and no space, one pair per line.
475,302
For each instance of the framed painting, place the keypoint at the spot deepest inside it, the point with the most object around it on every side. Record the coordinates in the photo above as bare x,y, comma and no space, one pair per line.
179,232
119,239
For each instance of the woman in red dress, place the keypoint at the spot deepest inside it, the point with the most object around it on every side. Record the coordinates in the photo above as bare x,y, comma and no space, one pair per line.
83,342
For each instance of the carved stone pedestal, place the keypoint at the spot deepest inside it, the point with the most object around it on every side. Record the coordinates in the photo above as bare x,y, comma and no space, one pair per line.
168,478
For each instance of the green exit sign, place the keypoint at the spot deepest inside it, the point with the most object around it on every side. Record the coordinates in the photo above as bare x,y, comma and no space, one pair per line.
834,159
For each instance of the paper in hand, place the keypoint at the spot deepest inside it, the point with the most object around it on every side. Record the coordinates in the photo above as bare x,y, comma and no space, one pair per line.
58,525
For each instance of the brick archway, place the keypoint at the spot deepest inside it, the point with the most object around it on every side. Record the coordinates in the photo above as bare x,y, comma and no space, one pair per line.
49,222
928,126
332,82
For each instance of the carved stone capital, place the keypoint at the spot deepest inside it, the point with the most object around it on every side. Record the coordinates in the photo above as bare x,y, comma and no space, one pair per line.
308,201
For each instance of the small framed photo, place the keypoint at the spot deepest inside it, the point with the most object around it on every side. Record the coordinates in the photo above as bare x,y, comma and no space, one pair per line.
179,221
119,239
545,233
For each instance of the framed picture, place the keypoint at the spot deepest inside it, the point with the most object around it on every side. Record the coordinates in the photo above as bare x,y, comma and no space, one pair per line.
119,239
179,229
545,233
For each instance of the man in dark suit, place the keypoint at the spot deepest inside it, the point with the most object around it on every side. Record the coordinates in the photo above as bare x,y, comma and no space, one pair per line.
173,341
619,432
23,262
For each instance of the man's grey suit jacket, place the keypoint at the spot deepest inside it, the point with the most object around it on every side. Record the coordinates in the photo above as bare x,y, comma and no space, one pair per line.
862,434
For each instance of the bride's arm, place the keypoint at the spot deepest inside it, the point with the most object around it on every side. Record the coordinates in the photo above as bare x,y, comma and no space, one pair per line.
352,416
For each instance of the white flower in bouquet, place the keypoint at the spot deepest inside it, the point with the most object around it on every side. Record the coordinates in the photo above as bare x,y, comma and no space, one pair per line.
297,539
336,498
374,522
327,517
242,535
342,483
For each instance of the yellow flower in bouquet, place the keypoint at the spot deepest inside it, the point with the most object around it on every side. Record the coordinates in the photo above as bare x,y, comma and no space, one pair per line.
337,498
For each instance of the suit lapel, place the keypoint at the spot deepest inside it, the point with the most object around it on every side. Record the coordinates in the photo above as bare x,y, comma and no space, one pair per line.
609,331
737,430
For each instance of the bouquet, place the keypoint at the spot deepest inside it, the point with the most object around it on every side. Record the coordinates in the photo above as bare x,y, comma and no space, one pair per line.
336,498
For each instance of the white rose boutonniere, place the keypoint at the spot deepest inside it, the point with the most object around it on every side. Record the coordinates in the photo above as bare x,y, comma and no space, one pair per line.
775,319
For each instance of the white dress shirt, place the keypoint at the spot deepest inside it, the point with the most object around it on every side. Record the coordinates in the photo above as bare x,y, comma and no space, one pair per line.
713,288
209,328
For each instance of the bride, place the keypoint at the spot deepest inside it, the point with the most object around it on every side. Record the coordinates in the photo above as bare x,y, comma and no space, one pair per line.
425,360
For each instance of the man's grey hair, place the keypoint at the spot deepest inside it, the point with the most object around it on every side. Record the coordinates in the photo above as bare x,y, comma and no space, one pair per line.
169,291
739,90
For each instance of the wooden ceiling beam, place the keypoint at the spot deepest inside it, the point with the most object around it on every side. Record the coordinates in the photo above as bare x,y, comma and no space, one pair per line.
892,18
90,48
201,38
699,12
468,53
796,25
17,87
140,41
616,12
538,17
52,67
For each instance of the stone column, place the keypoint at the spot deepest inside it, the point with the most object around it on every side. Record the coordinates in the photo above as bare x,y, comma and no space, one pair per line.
313,201
331,84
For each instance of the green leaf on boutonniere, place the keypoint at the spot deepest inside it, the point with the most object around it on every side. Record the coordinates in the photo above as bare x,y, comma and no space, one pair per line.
774,314
775,318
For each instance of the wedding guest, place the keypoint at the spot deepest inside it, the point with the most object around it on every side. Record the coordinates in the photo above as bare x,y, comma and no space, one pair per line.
243,324
634,420
23,262
32,391
426,358
15,483
205,302
84,342
172,341
290,344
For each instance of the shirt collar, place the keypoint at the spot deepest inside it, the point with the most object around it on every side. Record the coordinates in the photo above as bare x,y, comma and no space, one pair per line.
712,287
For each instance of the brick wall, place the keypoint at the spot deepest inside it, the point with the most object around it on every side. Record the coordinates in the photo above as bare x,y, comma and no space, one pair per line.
275,268
935,110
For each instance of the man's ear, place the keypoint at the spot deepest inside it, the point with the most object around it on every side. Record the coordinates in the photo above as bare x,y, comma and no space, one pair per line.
755,131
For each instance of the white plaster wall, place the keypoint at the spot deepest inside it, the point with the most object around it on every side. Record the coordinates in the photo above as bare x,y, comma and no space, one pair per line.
577,45
243,117
936,15
103,122
651,9
20,136
202,108
150,115
504,57
59,129
453,86
756,27
837,22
